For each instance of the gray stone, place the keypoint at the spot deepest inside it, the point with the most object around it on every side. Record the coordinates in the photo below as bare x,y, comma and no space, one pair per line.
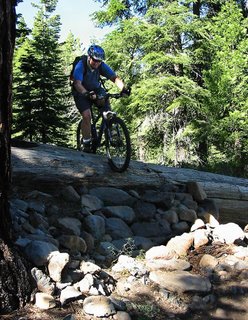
19,204
90,202
168,265
70,225
117,228
99,306
181,244
145,211
151,229
69,294
70,194
169,215
162,199
123,212
44,301
113,196
196,190
180,281
43,282
228,233
95,226
180,227
72,242
186,214
38,252
56,264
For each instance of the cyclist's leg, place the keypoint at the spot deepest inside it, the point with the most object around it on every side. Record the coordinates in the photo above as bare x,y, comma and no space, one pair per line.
86,125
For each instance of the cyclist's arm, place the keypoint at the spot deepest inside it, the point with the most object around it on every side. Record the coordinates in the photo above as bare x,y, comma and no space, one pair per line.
79,87
118,82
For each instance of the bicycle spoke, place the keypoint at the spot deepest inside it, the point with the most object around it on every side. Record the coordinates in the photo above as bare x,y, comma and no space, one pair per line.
118,145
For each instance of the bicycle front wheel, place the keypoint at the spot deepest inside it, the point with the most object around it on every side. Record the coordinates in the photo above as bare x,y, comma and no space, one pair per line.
118,145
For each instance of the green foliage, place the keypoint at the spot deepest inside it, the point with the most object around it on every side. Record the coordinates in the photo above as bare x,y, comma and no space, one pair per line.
40,99
185,61
188,77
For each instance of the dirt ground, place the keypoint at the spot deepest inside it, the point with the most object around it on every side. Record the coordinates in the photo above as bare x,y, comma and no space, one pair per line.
148,302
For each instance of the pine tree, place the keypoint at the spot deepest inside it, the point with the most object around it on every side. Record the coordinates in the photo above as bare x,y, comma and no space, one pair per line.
41,103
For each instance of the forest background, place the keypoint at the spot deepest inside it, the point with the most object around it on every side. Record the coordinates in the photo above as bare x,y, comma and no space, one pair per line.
186,62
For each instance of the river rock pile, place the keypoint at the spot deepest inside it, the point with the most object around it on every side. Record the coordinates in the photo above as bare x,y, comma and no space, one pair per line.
80,242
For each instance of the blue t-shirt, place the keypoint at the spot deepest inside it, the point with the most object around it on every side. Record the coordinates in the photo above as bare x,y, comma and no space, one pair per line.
90,79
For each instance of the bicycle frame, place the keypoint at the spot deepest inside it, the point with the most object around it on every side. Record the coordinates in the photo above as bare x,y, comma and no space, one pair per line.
97,134
116,136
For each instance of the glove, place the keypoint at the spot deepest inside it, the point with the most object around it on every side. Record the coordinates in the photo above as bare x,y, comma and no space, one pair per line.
126,92
90,95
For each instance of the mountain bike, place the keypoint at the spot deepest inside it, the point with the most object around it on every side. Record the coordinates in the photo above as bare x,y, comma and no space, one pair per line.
110,131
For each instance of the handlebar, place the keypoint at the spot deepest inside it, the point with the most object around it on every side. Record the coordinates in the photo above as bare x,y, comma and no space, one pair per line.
114,95
107,95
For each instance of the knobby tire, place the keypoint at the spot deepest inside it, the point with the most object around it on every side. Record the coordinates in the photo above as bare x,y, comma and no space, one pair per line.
118,145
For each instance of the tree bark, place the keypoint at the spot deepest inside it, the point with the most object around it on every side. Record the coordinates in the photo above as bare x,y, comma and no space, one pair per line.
14,278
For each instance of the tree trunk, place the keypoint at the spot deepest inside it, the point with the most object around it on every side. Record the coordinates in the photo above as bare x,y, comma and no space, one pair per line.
14,278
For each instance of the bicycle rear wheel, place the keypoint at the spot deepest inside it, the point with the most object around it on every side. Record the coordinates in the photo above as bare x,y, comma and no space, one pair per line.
80,136
118,145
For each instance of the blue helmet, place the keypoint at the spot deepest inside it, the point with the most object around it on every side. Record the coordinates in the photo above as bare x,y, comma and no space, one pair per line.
96,52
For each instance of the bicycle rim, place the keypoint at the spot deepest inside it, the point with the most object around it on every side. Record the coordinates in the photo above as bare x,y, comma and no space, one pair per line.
118,145
79,139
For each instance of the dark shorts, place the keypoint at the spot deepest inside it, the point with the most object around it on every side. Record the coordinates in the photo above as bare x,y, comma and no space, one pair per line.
83,103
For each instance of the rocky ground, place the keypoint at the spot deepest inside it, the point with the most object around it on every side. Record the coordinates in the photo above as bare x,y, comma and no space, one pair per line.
142,245
149,279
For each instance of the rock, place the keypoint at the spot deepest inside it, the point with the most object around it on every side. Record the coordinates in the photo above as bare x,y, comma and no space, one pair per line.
113,196
57,262
89,267
122,315
98,306
160,252
168,265
70,194
95,225
43,282
228,233
186,214
180,227
117,228
169,215
196,190
123,212
151,229
181,244
85,284
39,251
180,281
70,225
90,202
44,301
200,238
208,262
198,224
163,199
145,211
74,243
69,294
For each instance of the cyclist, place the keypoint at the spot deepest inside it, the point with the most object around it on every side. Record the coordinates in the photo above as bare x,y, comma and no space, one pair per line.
87,88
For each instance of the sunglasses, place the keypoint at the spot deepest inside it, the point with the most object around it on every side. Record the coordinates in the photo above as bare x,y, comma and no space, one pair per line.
95,60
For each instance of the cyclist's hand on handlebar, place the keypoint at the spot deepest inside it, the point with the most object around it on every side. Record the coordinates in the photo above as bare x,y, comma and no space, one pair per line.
90,94
126,91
